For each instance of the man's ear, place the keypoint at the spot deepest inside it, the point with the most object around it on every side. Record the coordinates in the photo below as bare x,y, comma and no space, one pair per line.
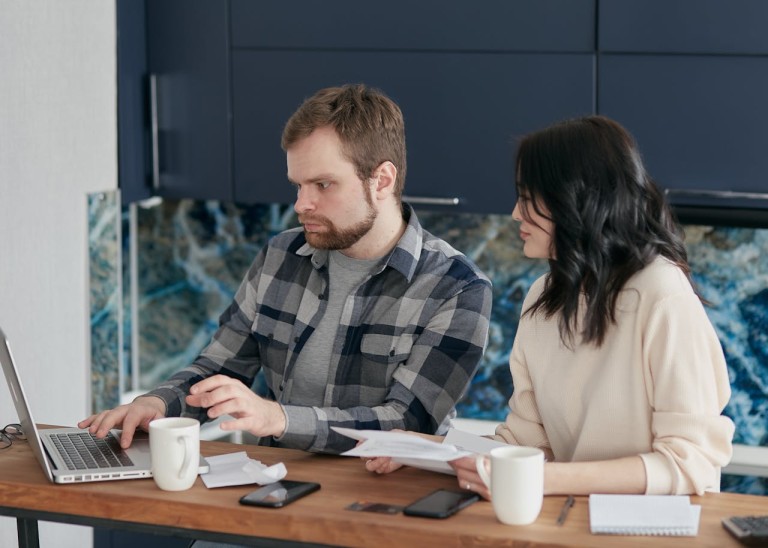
385,176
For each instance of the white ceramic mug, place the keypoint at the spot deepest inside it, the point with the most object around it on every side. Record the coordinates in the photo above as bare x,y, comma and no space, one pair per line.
516,482
174,445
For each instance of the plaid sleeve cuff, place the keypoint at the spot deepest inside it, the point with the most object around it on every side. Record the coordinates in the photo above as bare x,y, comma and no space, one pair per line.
300,427
169,397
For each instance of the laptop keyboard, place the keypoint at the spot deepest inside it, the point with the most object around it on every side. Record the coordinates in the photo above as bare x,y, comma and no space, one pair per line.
81,450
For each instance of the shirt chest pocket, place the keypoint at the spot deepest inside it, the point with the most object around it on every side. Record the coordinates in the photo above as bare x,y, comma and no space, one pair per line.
386,349
380,356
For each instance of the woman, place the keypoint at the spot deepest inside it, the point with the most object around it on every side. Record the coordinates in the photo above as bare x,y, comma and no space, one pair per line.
618,374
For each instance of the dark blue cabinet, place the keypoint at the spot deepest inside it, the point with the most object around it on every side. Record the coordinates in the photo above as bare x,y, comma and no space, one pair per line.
463,113
469,77
721,27
700,121
689,78
174,99
188,61
132,106
552,26
223,76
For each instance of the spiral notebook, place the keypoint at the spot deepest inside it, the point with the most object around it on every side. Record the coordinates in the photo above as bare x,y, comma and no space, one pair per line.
658,515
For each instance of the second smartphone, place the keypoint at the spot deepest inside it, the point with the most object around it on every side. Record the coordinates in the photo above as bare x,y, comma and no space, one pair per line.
441,503
279,494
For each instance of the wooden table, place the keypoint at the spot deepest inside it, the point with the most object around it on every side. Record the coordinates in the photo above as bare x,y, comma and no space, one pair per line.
320,518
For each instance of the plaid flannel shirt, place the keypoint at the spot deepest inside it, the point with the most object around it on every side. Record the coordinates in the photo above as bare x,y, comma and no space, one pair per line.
409,341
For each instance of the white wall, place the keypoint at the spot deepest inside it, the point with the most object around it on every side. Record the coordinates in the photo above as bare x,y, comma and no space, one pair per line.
58,143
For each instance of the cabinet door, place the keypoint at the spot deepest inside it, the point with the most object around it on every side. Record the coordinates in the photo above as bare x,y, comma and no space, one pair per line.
463,113
553,26
684,26
134,164
188,59
700,121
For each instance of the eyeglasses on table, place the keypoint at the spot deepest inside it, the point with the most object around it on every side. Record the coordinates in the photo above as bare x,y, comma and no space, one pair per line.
9,433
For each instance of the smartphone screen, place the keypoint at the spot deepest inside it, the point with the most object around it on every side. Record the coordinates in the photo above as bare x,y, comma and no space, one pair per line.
279,494
441,503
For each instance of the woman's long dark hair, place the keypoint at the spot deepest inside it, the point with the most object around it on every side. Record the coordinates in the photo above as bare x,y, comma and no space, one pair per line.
610,218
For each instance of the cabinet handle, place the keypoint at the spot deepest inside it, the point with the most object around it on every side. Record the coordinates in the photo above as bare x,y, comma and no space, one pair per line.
723,194
426,200
154,132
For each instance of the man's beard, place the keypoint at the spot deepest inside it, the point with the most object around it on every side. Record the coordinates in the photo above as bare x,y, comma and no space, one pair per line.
340,238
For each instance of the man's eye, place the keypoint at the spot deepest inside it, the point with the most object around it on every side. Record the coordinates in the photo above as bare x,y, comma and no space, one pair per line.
324,185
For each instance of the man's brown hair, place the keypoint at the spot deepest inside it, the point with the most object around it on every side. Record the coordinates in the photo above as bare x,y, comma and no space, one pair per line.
369,125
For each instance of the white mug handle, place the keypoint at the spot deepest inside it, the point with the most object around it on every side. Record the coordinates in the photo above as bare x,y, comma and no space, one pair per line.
482,470
187,462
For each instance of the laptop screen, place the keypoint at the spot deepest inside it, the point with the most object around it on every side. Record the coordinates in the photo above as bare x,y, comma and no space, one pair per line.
21,403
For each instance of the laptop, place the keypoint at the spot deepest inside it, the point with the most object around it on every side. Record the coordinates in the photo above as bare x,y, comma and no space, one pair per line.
72,455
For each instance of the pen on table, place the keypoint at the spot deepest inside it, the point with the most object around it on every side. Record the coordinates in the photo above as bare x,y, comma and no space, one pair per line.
566,508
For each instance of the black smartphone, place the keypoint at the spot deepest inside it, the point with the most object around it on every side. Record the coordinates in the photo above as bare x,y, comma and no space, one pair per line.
441,503
276,495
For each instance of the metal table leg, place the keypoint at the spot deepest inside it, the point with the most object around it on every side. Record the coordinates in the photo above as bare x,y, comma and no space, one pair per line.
27,531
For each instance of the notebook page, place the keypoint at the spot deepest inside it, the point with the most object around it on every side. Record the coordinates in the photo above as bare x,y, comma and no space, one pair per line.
643,515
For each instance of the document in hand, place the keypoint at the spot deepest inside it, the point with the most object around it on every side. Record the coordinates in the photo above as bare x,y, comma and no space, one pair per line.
413,450
643,515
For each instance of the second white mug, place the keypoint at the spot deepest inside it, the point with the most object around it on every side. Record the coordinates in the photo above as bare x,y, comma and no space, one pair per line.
516,482
174,445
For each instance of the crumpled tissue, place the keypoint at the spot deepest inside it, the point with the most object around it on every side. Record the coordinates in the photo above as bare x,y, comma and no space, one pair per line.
239,469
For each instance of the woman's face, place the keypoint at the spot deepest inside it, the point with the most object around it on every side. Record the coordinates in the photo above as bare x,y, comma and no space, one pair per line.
536,230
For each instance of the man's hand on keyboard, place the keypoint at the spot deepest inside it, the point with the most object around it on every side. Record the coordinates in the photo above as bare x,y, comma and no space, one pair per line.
137,414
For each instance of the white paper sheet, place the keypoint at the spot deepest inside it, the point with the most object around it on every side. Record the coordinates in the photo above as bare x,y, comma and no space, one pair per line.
471,442
239,469
416,451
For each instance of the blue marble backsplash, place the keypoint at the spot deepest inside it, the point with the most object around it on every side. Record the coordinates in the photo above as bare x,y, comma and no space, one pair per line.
192,255
105,298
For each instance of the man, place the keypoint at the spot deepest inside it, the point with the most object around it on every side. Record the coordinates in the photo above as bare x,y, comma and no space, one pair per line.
361,319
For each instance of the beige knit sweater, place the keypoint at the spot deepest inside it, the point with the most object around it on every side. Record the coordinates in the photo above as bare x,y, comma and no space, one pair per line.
655,388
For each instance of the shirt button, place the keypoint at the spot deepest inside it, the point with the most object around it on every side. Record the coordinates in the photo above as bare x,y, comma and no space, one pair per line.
271,336
321,296
392,352
296,340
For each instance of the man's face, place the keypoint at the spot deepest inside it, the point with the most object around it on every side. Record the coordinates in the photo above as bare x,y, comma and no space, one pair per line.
334,205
